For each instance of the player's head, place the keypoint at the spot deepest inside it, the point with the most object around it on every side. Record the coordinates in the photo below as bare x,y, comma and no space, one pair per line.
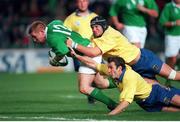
115,66
37,31
177,1
82,5
98,25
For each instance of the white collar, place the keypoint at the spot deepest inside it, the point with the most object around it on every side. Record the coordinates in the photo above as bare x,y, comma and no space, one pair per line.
46,32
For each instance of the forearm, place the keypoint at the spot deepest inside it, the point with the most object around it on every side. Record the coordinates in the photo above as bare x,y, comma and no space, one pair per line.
171,24
150,12
117,24
115,20
87,60
142,9
120,108
88,51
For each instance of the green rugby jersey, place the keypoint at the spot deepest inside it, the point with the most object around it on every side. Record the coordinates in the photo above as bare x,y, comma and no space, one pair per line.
57,34
170,13
130,15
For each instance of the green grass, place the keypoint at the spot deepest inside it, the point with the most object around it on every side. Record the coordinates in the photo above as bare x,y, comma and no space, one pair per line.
56,97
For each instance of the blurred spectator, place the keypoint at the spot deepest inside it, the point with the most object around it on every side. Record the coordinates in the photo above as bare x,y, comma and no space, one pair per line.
16,15
170,20
133,18
101,7
161,3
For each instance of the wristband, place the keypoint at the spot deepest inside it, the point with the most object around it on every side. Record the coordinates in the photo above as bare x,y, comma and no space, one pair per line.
74,45
173,23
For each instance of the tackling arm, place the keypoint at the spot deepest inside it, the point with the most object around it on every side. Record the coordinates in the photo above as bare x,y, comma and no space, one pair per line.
120,108
89,51
87,60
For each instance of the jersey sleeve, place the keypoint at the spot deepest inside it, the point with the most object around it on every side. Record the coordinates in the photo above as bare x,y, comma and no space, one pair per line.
103,69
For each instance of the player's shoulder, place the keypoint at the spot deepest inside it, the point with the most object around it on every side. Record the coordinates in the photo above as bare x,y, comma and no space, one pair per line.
72,15
168,5
56,22
93,14
111,32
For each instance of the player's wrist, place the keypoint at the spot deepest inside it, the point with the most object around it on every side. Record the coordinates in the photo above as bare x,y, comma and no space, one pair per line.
74,45
173,23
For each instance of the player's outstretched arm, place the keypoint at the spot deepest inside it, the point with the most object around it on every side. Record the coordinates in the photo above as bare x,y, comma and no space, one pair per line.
89,51
85,59
120,108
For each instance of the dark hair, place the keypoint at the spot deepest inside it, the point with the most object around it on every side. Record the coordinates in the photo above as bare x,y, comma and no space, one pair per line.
98,20
117,60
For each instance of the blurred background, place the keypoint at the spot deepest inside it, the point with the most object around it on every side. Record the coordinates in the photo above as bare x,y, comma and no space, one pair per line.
19,54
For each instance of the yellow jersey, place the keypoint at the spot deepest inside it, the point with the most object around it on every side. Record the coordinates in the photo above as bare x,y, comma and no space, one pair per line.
132,86
113,43
80,24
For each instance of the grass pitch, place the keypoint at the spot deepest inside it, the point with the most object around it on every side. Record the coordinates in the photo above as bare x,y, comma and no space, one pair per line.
55,97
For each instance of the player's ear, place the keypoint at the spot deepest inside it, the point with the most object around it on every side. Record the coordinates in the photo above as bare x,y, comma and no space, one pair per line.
119,68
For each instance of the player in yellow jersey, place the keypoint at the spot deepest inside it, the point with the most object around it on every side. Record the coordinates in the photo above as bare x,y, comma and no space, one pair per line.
133,87
109,42
79,21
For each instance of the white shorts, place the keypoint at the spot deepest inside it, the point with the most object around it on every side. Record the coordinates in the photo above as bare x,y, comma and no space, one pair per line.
172,45
135,34
87,70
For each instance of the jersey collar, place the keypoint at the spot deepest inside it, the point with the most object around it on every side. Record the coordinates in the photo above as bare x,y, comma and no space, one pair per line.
118,80
78,13
46,32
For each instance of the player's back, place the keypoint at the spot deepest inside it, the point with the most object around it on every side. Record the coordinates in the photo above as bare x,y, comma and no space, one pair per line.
57,31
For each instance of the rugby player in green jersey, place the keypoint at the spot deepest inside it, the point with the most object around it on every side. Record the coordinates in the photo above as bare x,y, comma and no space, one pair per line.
133,18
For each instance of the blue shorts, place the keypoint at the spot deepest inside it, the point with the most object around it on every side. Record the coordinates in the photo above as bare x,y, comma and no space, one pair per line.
159,97
148,65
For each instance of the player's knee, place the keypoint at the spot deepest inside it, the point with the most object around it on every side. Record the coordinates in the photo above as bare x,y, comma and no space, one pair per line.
172,75
83,90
